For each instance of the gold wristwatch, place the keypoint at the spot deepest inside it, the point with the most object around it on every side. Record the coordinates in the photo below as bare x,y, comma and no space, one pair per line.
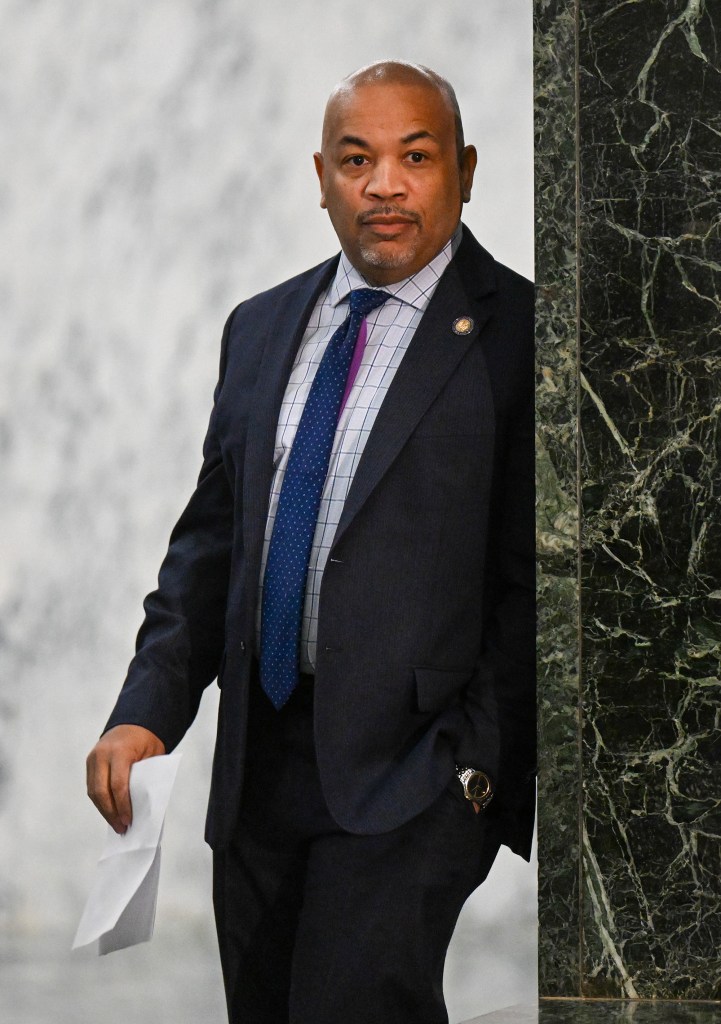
477,786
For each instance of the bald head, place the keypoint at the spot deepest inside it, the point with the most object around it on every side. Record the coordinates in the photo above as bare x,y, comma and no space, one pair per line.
394,72
393,170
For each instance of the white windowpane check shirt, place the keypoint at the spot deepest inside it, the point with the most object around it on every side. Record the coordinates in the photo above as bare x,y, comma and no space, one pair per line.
390,330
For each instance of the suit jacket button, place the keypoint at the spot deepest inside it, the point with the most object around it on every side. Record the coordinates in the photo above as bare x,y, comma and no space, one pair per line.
242,646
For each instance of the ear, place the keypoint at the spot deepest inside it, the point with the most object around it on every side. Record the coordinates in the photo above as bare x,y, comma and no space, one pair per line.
467,163
319,170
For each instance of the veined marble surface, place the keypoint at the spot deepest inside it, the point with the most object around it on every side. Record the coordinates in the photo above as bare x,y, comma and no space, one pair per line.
645,914
158,170
623,1011
650,297
599,1011
557,505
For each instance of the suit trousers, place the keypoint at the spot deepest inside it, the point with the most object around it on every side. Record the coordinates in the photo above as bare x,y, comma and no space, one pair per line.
321,926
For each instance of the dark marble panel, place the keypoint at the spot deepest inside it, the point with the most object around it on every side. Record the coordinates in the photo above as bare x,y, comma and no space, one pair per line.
599,1011
623,1011
650,297
557,519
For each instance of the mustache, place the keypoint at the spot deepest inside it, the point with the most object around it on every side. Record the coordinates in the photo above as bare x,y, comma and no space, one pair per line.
388,211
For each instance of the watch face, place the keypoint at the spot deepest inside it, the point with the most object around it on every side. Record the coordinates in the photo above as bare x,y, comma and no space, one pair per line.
478,787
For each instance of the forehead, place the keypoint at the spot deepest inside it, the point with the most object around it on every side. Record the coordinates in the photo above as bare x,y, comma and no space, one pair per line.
391,109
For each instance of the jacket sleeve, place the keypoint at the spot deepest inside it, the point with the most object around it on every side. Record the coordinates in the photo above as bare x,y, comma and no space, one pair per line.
180,643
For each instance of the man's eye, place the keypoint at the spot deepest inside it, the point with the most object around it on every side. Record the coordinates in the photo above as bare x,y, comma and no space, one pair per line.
416,158
357,160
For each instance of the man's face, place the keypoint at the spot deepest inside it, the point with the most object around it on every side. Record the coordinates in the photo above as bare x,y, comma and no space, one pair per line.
390,177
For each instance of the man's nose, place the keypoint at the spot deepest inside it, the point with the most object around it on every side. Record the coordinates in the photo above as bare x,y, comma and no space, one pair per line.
386,180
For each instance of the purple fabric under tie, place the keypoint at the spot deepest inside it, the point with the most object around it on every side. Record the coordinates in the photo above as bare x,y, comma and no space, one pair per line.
354,364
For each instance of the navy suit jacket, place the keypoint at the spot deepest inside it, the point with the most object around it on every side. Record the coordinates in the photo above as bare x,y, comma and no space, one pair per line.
426,630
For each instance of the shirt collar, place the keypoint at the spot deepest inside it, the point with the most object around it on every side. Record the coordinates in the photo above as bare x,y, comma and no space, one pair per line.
416,290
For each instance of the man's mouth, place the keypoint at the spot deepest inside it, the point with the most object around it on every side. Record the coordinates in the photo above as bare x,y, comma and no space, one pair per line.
388,220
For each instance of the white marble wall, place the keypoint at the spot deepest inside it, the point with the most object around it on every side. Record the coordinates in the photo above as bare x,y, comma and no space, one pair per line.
158,170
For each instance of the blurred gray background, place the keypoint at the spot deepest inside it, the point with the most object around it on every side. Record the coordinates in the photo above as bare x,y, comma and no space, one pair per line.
156,170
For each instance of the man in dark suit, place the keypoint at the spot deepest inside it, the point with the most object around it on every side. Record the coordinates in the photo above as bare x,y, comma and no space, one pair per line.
356,567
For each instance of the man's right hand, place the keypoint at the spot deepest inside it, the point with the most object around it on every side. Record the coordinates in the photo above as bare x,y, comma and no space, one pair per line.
108,770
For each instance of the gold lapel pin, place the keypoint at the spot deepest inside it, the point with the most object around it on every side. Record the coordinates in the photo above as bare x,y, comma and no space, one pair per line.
463,325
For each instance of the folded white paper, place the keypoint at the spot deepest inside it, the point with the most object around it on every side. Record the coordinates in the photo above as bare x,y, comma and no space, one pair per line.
120,910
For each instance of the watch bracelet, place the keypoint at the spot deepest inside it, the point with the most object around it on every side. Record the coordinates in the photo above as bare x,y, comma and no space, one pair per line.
462,770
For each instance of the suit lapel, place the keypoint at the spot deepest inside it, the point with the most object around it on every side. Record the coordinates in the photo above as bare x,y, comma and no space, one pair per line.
284,335
466,289
433,355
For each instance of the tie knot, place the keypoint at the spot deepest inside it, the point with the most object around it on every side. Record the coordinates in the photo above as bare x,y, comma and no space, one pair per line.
363,300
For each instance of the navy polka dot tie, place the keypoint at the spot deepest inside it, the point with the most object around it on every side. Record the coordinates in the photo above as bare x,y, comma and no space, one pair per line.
290,544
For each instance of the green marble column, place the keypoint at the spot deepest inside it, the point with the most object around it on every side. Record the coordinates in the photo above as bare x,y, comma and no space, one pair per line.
628,144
